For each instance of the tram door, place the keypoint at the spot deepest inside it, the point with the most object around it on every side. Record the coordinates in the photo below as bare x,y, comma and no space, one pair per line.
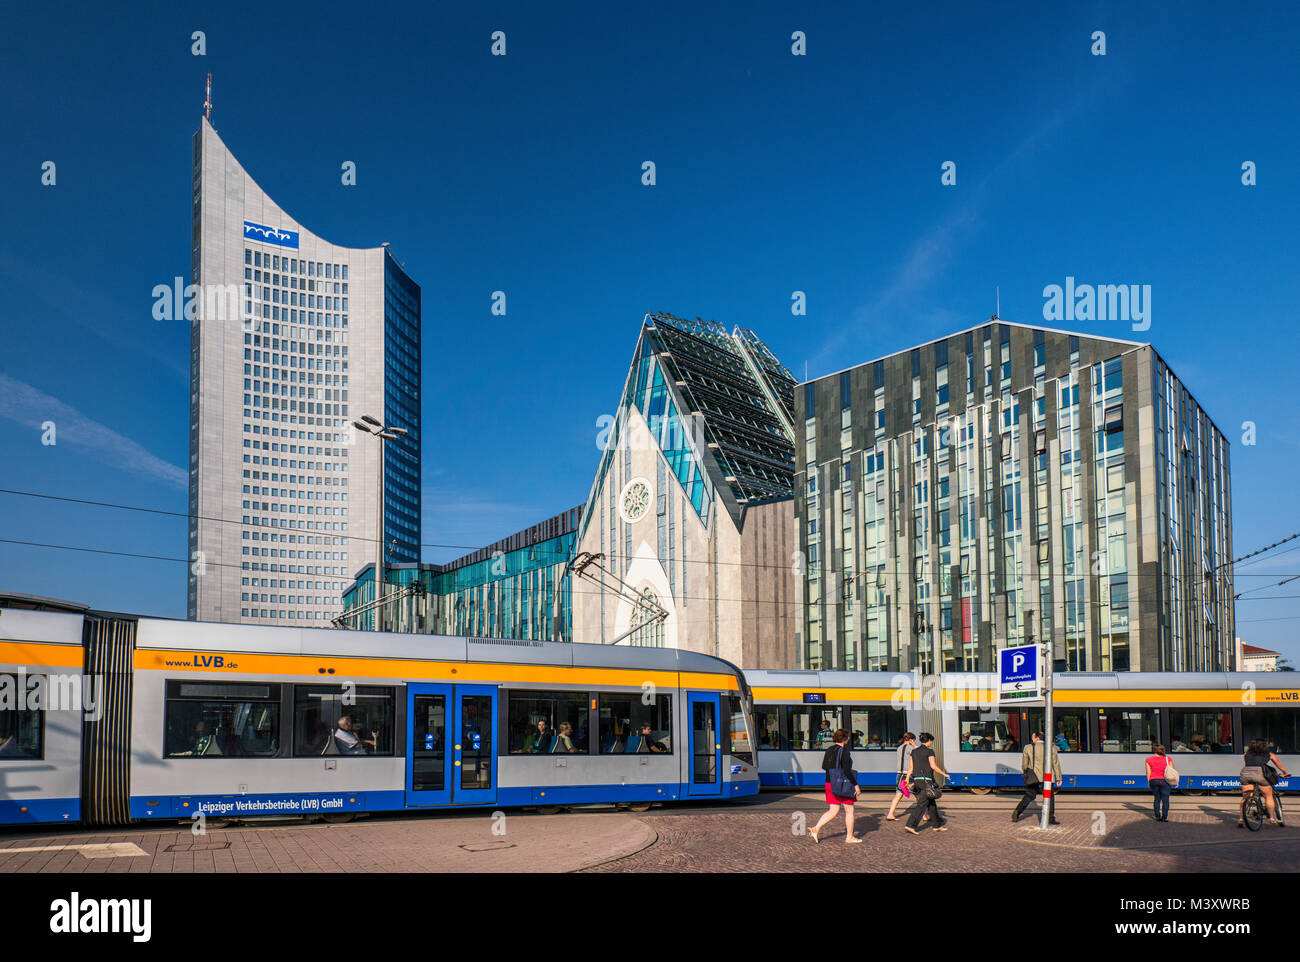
451,755
706,743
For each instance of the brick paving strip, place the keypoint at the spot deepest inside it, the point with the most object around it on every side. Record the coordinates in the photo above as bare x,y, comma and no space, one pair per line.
459,842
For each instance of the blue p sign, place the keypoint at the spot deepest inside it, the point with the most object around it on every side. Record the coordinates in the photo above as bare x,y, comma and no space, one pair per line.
1016,661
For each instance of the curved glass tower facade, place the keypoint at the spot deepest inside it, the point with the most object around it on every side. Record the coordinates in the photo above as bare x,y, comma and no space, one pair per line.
292,338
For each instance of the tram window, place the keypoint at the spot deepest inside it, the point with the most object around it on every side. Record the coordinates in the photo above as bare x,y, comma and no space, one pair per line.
21,729
767,719
875,728
1071,726
1280,727
812,729
548,722
738,738
318,710
1200,731
1127,729
219,720
623,721
991,731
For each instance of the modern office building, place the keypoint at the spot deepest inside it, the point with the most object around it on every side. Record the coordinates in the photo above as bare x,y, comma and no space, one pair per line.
1010,482
512,589
292,338
690,516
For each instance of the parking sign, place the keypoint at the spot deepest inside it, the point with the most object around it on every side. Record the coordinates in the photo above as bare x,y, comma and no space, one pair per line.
1020,674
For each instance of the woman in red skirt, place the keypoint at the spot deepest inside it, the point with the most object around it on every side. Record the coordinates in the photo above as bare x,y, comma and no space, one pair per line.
837,757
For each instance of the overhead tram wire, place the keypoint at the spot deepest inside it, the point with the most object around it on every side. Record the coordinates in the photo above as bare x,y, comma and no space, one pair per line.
559,558
897,603
198,517
1237,597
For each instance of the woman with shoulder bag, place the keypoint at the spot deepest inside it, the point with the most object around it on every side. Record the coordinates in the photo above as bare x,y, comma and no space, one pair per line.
841,786
1161,777
922,770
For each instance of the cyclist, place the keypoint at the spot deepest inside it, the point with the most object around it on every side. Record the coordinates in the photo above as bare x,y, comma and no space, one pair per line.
1255,775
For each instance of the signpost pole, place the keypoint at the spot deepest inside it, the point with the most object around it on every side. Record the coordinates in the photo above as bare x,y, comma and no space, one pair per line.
1048,733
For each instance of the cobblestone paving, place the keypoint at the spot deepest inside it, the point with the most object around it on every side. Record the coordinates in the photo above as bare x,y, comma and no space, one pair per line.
460,842
1097,834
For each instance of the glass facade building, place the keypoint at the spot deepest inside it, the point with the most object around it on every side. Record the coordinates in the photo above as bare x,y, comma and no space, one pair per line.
1011,483
512,589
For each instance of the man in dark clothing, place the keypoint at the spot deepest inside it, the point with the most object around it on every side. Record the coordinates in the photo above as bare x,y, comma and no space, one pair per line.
1032,766
922,769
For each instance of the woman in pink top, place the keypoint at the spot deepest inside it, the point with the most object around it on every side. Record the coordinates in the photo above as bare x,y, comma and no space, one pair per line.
1160,788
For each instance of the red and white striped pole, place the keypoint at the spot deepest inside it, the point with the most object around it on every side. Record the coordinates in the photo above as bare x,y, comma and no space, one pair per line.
1048,733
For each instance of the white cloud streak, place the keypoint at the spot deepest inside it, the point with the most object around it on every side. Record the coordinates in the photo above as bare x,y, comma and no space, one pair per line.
32,408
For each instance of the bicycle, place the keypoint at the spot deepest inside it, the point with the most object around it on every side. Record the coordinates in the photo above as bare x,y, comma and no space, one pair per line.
1254,811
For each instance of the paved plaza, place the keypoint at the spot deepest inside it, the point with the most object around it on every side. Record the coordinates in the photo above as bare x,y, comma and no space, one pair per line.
1099,833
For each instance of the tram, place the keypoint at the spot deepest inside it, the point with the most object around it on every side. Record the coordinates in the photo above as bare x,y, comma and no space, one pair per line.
797,712
1104,725
112,718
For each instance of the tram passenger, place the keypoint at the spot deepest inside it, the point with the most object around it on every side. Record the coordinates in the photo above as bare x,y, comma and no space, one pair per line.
873,743
539,739
202,738
9,741
648,741
824,737
349,742
564,741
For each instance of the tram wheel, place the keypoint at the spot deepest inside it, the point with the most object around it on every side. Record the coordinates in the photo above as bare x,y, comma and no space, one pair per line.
338,818
548,810
981,789
640,807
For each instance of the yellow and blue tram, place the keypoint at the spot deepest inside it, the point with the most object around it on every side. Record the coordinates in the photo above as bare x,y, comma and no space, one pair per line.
122,718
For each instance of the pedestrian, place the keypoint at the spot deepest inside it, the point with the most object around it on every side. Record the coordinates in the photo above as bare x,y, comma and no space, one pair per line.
1157,769
841,786
921,769
904,760
1031,769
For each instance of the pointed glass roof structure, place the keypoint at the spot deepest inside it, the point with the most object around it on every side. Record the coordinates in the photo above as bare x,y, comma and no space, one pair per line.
719,405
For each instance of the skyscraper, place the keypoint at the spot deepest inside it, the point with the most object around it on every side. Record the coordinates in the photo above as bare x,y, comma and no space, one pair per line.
292,338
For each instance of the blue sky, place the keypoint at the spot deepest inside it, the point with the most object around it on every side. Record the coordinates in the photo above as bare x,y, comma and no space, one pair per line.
522,173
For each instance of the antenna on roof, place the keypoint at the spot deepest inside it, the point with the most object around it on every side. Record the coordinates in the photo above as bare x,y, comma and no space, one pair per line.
998,312
207,102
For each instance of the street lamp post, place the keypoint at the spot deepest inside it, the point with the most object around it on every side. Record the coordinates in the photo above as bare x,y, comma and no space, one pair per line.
384,433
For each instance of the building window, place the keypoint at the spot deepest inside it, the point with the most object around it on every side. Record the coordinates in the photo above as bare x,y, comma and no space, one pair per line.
649,627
